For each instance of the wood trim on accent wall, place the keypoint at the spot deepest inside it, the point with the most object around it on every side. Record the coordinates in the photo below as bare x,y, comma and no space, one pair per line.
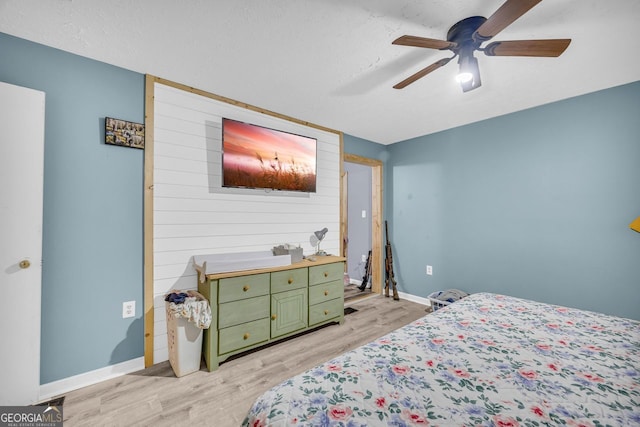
241,104
343,208
376,216
148,220
150,82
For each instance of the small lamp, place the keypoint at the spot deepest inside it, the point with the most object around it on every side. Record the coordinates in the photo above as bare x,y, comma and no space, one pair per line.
316,238
635,225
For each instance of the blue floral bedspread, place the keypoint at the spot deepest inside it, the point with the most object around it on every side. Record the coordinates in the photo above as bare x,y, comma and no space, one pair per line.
486,360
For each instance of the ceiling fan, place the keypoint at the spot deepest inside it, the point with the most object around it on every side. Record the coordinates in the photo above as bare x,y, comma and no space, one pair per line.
466,36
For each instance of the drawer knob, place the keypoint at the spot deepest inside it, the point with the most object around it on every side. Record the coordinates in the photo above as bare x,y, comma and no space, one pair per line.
246,336
326,312
326,293
290,281
326,274
245,288
274,316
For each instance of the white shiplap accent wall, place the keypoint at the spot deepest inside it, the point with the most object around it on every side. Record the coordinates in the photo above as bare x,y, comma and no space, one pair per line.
192,215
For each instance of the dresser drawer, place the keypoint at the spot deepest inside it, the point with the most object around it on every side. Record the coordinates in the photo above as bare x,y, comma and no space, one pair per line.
326,273
326,291
326,311
289,279
243,311
238,288
245,335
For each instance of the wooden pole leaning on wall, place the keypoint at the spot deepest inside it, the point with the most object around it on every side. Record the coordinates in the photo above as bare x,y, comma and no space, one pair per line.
390,280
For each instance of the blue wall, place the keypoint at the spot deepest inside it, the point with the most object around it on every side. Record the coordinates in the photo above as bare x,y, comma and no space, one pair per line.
365,148
534,204
93,200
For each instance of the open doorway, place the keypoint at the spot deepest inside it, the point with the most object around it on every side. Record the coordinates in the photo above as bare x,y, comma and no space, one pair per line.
362,221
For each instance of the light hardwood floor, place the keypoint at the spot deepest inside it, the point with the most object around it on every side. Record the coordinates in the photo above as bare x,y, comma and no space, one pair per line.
352,292
155,397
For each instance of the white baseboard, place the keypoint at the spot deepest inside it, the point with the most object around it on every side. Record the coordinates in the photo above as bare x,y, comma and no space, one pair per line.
355,282
56,388
413,298
409,297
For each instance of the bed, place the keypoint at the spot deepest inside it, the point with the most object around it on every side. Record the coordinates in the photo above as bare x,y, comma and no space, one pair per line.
488,360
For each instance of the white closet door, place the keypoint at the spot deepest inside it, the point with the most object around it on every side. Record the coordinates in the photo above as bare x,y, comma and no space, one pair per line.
21,181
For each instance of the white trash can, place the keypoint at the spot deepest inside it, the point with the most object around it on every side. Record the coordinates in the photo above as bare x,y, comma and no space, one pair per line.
188,313
185,344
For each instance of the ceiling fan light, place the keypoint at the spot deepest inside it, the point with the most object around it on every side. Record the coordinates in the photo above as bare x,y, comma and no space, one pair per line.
464,77
469,75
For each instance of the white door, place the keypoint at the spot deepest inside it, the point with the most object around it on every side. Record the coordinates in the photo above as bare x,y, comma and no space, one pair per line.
21,172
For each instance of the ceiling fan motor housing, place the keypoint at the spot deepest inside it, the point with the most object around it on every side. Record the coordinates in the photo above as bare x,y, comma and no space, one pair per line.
462,33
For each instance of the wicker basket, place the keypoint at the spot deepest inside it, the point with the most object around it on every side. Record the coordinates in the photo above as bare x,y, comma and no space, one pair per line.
451,295
436,304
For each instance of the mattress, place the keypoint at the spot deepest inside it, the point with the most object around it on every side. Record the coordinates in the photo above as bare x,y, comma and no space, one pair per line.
486,360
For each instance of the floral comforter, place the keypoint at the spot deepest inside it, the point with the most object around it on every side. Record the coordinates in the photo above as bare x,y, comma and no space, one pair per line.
486,360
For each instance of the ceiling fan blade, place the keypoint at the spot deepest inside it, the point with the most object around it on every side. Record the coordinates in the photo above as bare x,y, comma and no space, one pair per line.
550,48
503,17
424,42
406,82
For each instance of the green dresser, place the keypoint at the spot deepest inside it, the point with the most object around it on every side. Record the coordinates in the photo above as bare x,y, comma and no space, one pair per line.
253,308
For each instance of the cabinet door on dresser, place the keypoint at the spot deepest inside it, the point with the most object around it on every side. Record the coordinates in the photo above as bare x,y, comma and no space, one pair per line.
289,308
288,312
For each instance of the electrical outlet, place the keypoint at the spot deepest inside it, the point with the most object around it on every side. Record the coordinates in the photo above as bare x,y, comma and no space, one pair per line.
364,214
429,270
364,258
128,309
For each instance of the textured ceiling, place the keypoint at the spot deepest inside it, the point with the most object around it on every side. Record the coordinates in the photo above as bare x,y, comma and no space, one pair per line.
331,62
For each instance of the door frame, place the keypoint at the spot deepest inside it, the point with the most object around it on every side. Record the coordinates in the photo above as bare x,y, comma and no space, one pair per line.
376,215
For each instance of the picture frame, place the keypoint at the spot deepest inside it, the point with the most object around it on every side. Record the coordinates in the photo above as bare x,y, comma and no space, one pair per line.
124,133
